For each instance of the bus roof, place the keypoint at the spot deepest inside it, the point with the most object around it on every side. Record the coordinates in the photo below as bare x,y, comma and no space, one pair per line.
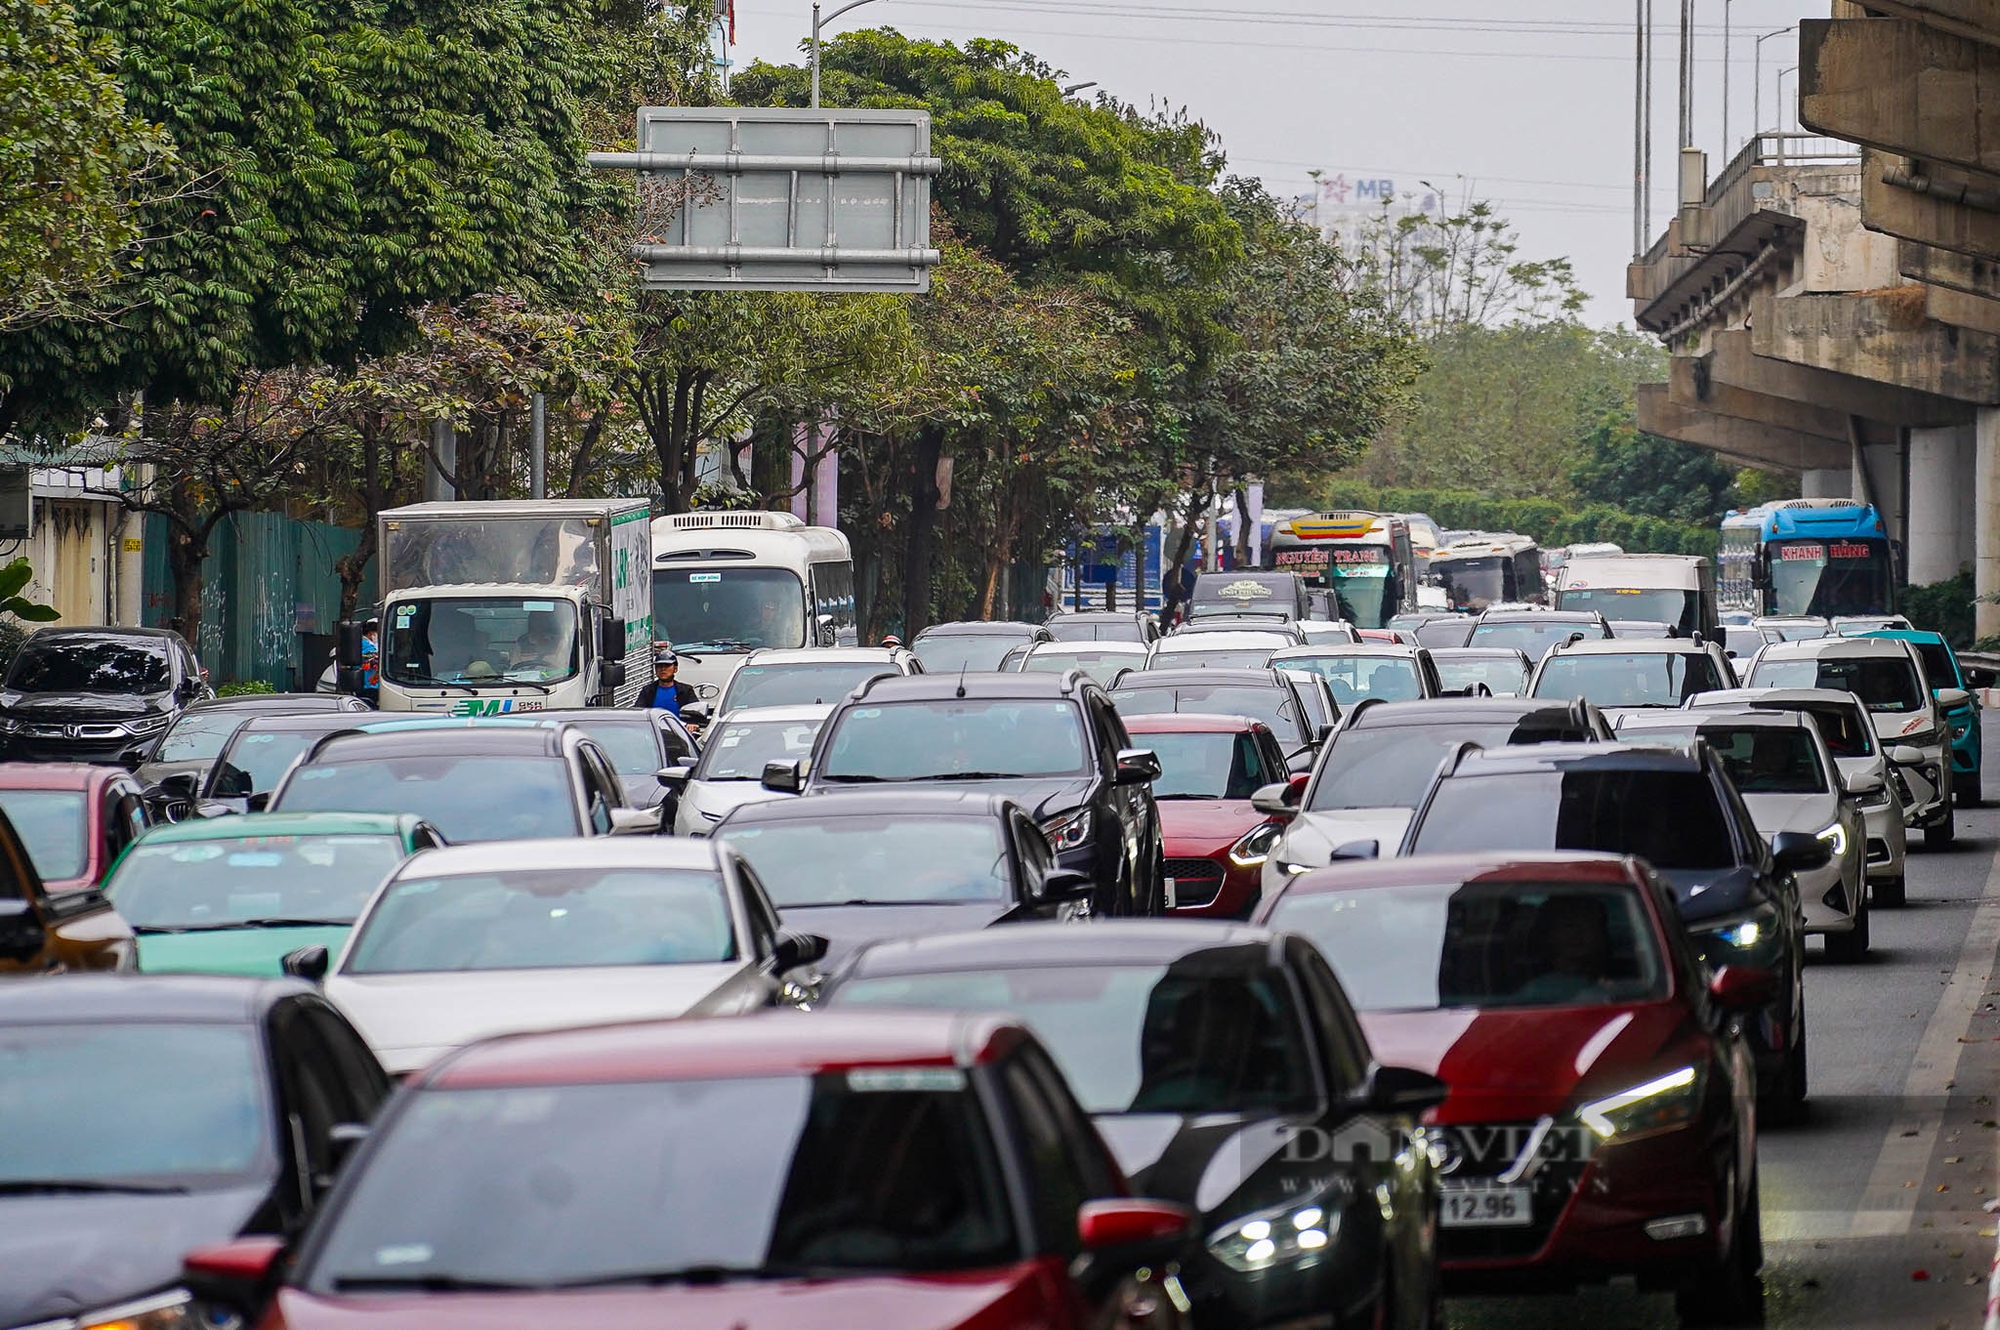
751,537
1807,517
1483,545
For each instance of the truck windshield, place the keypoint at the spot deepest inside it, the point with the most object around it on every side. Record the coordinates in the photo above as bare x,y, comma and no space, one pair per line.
534,551
729,609
475,640
1681,608
1473,584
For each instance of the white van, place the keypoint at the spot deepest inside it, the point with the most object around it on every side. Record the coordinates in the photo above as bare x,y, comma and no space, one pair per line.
1675,589
728,583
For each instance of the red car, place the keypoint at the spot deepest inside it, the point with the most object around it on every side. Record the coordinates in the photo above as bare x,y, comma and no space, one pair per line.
76,820
840,1172
1215,841
1601,1117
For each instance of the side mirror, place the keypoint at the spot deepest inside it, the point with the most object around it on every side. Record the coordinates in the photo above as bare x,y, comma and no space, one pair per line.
1063,884
1952,697
1138,766
343,1137
1401,1090
1323,733
1280,799
1863,782
349,679
258,802
238,1274
22,935
675,778
308,963
784,777
347,646
1906,755
180,785
1356,849
611,643
1742,987
635,821
610,675
1145,1232
795,949
1981,676
1799,852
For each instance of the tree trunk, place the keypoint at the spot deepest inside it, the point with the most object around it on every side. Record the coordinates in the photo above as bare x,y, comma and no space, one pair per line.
185,552
923,532
1170,579
1242,527
586,447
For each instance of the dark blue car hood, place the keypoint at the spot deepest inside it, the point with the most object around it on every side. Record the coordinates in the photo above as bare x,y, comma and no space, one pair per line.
1712,892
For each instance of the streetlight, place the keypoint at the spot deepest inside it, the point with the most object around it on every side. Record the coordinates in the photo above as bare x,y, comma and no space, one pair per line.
1781,94
817,21
1728,66
1074,88
1757,76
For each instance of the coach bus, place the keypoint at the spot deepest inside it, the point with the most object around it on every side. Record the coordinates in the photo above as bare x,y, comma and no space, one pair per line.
1806,556
1365,559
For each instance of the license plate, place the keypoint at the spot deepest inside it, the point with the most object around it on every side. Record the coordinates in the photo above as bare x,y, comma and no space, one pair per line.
1487,1207
1173,892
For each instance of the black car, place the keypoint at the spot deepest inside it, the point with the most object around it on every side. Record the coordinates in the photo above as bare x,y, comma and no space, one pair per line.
1052,743
1677,809
1533,632
864,867
949,648
1103,626
1226,1070
641,743
95,694
1272,696
197,736
146,1116
253,760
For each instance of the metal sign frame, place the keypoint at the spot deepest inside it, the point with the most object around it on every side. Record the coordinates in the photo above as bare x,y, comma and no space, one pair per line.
795,199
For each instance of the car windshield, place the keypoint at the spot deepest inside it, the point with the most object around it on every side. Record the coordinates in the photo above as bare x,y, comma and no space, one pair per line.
1354,676
1193,1037
864,1171
1940,666
798,683
738,750
1483,944
729,609
479,640
632,746
1197,765
482,798
961,739
1217,658
1504,676
1883,683
877,860
1760,759
198,736
955,653
1101,666
1636,679
1671,819
1271,704
1391,766
242,881
1534,636
536,919
111,665
254,760
1846,731
53,824
1096,630
138,1103
1453,632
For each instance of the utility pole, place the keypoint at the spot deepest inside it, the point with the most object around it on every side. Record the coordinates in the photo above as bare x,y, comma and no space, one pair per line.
538,447
1728,52
1648,145
1687,73
817,23
1781,93
1639,240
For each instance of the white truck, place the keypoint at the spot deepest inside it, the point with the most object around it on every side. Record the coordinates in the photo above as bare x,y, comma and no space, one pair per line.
511,606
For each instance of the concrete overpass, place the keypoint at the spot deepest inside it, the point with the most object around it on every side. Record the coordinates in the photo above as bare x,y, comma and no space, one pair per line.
1832,299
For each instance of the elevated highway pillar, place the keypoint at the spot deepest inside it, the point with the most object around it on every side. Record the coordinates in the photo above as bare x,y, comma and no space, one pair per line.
1941,506
1830,482
1986,565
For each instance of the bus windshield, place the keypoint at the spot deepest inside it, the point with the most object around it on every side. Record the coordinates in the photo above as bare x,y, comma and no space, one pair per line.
729,609
1361,578
1473,584
1829,577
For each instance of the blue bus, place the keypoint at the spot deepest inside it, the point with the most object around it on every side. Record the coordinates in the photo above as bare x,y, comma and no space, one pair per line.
1806,556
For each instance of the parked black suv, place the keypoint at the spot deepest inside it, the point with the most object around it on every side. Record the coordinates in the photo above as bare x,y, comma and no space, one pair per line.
95,694
1676,809
1052,743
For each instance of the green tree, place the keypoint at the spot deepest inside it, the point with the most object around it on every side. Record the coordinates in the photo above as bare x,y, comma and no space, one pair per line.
1649,476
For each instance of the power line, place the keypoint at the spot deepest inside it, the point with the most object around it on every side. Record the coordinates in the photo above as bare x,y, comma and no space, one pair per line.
1407,172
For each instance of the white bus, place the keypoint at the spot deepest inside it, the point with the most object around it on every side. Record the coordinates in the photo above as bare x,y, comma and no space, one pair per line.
728,583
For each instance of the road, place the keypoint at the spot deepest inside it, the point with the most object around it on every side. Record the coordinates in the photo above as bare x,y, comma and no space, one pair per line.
1873,1209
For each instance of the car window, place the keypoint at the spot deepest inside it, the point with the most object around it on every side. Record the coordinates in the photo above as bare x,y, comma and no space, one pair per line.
1502,675
53,824
1271,703
1637,679
631,747
1346,1046
467,798
964,738
1353,677
1766,759
197,736
954,652
880,860
739,750
1883,683
358,1077
1056,1180
106,665
798,683
1845,728
1672,819
1535,636
1939,664
232,882
1391,766
1200,765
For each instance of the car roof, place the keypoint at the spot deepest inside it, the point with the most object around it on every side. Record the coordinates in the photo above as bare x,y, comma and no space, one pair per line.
802,711
1539,616
167,999
1018,946
1192,722
108,630
309,704
1461,653
1117,647
1559,756
1633,646
1181,678
1098,616
1432,869
460,739
309,722
980,628
1318,651
281,824
77,776
1744,717
582,853
1222,639
765,1044
910,802
1733,698
1840,648
822,656
952,684
1907,635
1459,710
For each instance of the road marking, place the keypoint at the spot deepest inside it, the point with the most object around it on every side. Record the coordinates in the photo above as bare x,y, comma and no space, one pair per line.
1888,1205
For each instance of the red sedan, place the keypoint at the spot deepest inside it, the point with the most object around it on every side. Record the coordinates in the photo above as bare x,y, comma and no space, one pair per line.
76,820
1601,1117
843,1172
1215,841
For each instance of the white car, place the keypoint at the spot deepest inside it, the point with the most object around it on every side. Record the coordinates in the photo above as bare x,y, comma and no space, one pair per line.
1789,781
1887,675
813,676
1621,674
1236,648
469,942
1388,670
730,770
1102,661
1864,768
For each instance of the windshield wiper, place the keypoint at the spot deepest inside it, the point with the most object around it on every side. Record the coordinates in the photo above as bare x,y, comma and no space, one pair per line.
718,644
238,924
708,1274
859,780
432,681
542,688
428,1284
49,1186
971,775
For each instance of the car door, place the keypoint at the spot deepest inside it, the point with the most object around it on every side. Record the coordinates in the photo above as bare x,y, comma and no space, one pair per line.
312,1101
1134,803
1032,862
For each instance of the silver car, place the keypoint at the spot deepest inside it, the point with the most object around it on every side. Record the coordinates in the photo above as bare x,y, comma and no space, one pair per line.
1864,765
812,676
1789,781
731,769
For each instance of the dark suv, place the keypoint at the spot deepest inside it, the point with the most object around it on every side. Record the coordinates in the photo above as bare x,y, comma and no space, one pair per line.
95,694
1676,809
1052,743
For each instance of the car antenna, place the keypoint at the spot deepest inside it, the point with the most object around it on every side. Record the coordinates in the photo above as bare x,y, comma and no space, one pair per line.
962,668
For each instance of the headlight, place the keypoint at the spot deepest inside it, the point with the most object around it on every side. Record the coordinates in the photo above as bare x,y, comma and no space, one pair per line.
1741,932
1295,1230
1256,845
1665,1102
8,725
174,1310
1835,837
1070,831
141,725
1960,731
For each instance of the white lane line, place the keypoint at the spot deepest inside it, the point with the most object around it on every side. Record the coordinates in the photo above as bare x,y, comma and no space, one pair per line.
1888,1206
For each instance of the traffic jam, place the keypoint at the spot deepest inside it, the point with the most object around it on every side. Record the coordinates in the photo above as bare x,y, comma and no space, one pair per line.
1411,922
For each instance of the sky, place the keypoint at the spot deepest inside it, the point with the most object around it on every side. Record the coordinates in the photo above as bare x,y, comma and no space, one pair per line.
1528,104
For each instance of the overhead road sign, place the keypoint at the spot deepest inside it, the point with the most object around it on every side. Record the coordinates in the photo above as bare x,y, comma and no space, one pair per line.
785,199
